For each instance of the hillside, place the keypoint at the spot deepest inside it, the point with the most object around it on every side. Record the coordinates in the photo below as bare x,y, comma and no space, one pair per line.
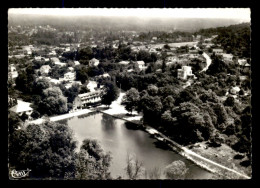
235,39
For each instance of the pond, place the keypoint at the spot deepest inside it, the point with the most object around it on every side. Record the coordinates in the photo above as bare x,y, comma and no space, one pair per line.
120,138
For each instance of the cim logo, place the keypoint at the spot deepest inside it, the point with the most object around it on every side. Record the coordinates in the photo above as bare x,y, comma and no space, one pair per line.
20,174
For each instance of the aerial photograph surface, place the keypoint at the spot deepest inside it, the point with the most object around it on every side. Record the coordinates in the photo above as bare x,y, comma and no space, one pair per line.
129,94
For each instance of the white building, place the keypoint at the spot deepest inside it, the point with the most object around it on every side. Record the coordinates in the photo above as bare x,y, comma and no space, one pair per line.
70,76
185,72
22,107
234,90
60,64
93,62
45,69
76,63
89,98
141,65
218,51
124,62
227,57
14,73
38,58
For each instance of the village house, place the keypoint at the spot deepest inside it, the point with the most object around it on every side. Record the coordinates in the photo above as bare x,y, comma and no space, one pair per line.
218,51
141,65
69,85
38,58
93,62
234,90
69,76
193,51
227,57
173,49
105,75
243,65
45,69
76,63
171,59
14,73
60,64
22,107
124,62
185,72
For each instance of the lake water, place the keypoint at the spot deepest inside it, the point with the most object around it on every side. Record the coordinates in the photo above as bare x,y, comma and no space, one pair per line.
117,136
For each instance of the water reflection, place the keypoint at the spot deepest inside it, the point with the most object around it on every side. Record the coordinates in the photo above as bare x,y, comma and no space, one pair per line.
108,122
162,145
120,138
131,126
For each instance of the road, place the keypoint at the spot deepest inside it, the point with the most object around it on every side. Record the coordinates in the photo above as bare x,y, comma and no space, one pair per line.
208,61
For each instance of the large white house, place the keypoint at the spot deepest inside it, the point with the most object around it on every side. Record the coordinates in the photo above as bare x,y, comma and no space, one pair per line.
87,98
22,107
185,72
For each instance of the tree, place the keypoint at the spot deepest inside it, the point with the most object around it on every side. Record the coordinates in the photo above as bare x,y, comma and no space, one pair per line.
131,99
72,92
144,56
85,54
92,162
111,93
24,116
40,85
134,168
84,89
48,150
53,102
81,74
35,114
168,102
230,101
176,170
24,81
152,89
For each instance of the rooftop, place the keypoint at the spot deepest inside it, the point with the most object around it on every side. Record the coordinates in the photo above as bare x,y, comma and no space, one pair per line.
21,107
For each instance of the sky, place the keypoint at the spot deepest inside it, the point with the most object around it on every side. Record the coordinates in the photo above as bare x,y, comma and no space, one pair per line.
230,13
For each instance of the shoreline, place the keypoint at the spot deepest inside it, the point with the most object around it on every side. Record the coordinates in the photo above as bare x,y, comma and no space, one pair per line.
197,159
61,117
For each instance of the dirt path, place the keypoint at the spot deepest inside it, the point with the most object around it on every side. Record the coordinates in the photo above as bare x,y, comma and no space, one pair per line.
188,154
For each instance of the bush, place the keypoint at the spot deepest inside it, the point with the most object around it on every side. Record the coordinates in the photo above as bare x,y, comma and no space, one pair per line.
230,101
35,115
245,163
24,116
239,156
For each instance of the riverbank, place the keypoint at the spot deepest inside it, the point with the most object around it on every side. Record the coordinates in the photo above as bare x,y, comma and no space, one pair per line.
212,166
61,117
215,167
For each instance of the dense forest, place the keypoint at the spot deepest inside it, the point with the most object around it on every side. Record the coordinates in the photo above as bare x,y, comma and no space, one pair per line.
234,39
